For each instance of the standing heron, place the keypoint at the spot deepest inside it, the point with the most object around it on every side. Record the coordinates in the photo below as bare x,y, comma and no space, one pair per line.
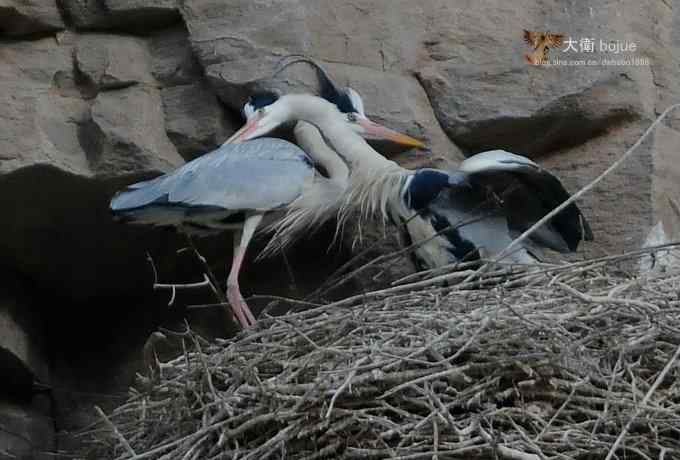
506,194
235,186
434,203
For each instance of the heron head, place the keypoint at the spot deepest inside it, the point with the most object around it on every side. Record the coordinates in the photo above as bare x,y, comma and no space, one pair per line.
350,103
262,114
258,101
266,111
371,130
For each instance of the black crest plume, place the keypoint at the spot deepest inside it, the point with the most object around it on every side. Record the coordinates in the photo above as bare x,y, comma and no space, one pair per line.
328,90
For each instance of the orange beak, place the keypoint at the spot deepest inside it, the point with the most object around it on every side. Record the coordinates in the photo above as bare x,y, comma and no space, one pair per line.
375,131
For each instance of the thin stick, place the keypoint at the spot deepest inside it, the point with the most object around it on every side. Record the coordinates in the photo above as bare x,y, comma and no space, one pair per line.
113,428
640,407
345,384
231,324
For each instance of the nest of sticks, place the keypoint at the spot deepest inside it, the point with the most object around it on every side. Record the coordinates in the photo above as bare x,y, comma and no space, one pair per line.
576,361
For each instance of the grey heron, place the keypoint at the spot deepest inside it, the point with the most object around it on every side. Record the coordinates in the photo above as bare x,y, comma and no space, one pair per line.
235,186
503,195
506,194
431,201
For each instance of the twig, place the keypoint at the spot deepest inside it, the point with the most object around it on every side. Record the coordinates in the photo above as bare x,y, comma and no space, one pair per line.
231,324
643,403
344,385
115,431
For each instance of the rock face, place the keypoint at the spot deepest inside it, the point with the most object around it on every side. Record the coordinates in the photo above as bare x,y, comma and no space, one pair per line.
95,94
29,17
111,62
73,140
131,133
531,110
129,15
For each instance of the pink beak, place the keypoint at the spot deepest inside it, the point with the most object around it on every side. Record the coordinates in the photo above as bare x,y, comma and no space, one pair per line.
243,133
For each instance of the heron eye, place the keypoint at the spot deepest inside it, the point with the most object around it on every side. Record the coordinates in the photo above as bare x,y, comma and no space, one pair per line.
351,117
260,111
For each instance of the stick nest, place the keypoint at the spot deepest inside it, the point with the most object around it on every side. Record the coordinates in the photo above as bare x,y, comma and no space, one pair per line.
565,362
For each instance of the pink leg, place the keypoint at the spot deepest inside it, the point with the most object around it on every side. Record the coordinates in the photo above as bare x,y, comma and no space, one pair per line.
241,239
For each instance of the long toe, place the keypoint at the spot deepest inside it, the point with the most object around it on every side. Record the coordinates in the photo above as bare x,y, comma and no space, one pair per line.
236,302
248,314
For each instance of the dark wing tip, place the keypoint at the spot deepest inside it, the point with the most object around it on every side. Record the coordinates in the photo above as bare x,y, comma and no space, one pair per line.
573,226
570,222
586,230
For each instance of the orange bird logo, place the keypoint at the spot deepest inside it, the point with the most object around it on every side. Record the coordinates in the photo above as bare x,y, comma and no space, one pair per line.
541,42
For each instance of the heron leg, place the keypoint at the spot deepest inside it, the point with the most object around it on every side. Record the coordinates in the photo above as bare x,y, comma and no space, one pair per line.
241,240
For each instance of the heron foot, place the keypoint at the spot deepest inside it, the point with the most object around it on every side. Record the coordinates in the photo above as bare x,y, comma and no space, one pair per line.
239,306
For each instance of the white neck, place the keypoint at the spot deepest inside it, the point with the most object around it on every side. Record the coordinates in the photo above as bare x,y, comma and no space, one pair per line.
310,140
336,130
371,184
374,183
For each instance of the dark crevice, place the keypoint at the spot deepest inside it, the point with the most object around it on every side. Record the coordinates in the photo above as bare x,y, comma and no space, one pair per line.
96,16
84,83
11,25
421,83
65,14
91,140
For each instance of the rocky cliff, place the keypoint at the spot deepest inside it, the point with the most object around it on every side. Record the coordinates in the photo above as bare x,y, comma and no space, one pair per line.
95,94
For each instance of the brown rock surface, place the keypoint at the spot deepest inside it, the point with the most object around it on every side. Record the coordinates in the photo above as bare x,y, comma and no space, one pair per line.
131,133
194,119
172,60
113,61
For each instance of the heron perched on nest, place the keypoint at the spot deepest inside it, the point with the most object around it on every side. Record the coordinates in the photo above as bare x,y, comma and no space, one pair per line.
474,211
235,186
505,194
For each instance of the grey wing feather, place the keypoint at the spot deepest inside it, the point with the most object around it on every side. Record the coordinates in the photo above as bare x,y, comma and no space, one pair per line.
262,174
